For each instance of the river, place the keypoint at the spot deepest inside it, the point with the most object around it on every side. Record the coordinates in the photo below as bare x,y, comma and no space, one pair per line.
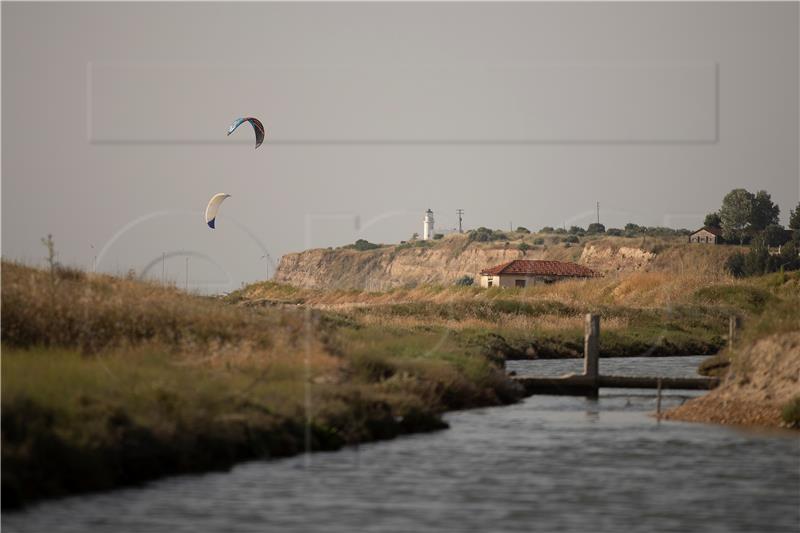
549,463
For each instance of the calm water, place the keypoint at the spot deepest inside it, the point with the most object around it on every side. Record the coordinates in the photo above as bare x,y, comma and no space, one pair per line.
548,464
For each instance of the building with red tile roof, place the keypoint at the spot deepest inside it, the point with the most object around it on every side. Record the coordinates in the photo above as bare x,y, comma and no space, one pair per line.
523,272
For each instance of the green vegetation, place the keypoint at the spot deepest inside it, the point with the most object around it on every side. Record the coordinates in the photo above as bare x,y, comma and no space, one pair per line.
110,381
486,235
791,413
363,245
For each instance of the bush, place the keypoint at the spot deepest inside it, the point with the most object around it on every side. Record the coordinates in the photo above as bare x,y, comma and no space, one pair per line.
486,235
465,281
791,413
571,239
524,247
559,231
616,232
546,229
538,240
595,227
576,230
437,236
735,264
523,229
362,245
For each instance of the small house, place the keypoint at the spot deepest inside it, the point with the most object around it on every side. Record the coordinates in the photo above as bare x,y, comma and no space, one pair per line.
706,235
523,273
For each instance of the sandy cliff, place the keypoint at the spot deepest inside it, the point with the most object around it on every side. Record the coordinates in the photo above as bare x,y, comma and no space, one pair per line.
444,262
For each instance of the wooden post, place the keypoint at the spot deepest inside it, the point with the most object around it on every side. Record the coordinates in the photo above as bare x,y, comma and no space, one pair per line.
733,324
591,346
658,401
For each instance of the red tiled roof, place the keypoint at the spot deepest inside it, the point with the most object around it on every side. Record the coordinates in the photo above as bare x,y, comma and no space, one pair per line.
540,268
715,231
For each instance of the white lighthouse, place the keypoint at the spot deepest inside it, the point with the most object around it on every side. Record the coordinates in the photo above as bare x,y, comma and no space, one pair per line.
427,226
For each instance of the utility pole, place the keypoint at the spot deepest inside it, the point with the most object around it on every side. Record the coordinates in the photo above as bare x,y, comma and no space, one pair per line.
268,258
459,212
163,270
187,273
598,212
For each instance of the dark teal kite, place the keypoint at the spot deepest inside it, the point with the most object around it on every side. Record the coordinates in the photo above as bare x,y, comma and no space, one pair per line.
257,126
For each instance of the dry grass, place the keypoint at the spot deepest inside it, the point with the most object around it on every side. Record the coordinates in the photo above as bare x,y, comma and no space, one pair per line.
108,381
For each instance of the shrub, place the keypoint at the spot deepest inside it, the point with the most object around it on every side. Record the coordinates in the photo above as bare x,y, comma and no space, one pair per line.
524,247
571,239
791,412
559,231
735,264
362,245
546,229
616,232
437,236
523,229
538,240
465,281
595,227
576,230
483,234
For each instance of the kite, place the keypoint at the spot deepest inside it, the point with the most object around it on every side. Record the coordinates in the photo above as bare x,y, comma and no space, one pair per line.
257,126
213,207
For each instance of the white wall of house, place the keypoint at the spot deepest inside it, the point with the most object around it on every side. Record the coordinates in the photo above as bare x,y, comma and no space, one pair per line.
509,281
703,236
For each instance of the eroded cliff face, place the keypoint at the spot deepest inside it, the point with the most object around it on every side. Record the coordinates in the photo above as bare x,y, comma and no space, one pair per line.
383,269
622,259
391,267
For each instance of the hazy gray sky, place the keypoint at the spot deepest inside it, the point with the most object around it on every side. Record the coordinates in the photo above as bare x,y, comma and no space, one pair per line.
114,119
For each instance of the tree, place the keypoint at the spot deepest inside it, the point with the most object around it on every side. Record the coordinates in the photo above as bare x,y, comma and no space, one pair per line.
546,229
576,230
595,227
523,247
523,229
775,235
737,207
712,220
763,212
789,258
757,261
794,218
614,231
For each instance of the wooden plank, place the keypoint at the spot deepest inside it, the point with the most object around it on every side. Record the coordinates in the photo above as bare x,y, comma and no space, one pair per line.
583,385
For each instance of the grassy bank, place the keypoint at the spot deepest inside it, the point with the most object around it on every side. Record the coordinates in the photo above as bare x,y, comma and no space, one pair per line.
761,372
109,382
644,313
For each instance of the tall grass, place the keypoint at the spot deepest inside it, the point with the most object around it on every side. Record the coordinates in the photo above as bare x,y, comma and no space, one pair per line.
108,381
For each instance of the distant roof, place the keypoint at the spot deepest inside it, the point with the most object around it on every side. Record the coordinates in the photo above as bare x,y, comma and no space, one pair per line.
715,231
540,268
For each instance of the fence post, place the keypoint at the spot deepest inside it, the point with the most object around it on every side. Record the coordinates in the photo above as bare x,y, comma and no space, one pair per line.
591,347
733,324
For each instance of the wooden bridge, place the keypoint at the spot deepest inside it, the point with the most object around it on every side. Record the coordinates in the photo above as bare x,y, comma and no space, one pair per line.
589,383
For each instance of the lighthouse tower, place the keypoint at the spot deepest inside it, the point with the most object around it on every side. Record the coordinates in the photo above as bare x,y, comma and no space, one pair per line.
427,226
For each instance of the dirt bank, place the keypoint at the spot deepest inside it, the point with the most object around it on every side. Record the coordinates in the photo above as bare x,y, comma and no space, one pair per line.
764,378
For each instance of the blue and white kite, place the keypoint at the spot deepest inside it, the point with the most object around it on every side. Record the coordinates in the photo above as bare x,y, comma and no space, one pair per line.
213,207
